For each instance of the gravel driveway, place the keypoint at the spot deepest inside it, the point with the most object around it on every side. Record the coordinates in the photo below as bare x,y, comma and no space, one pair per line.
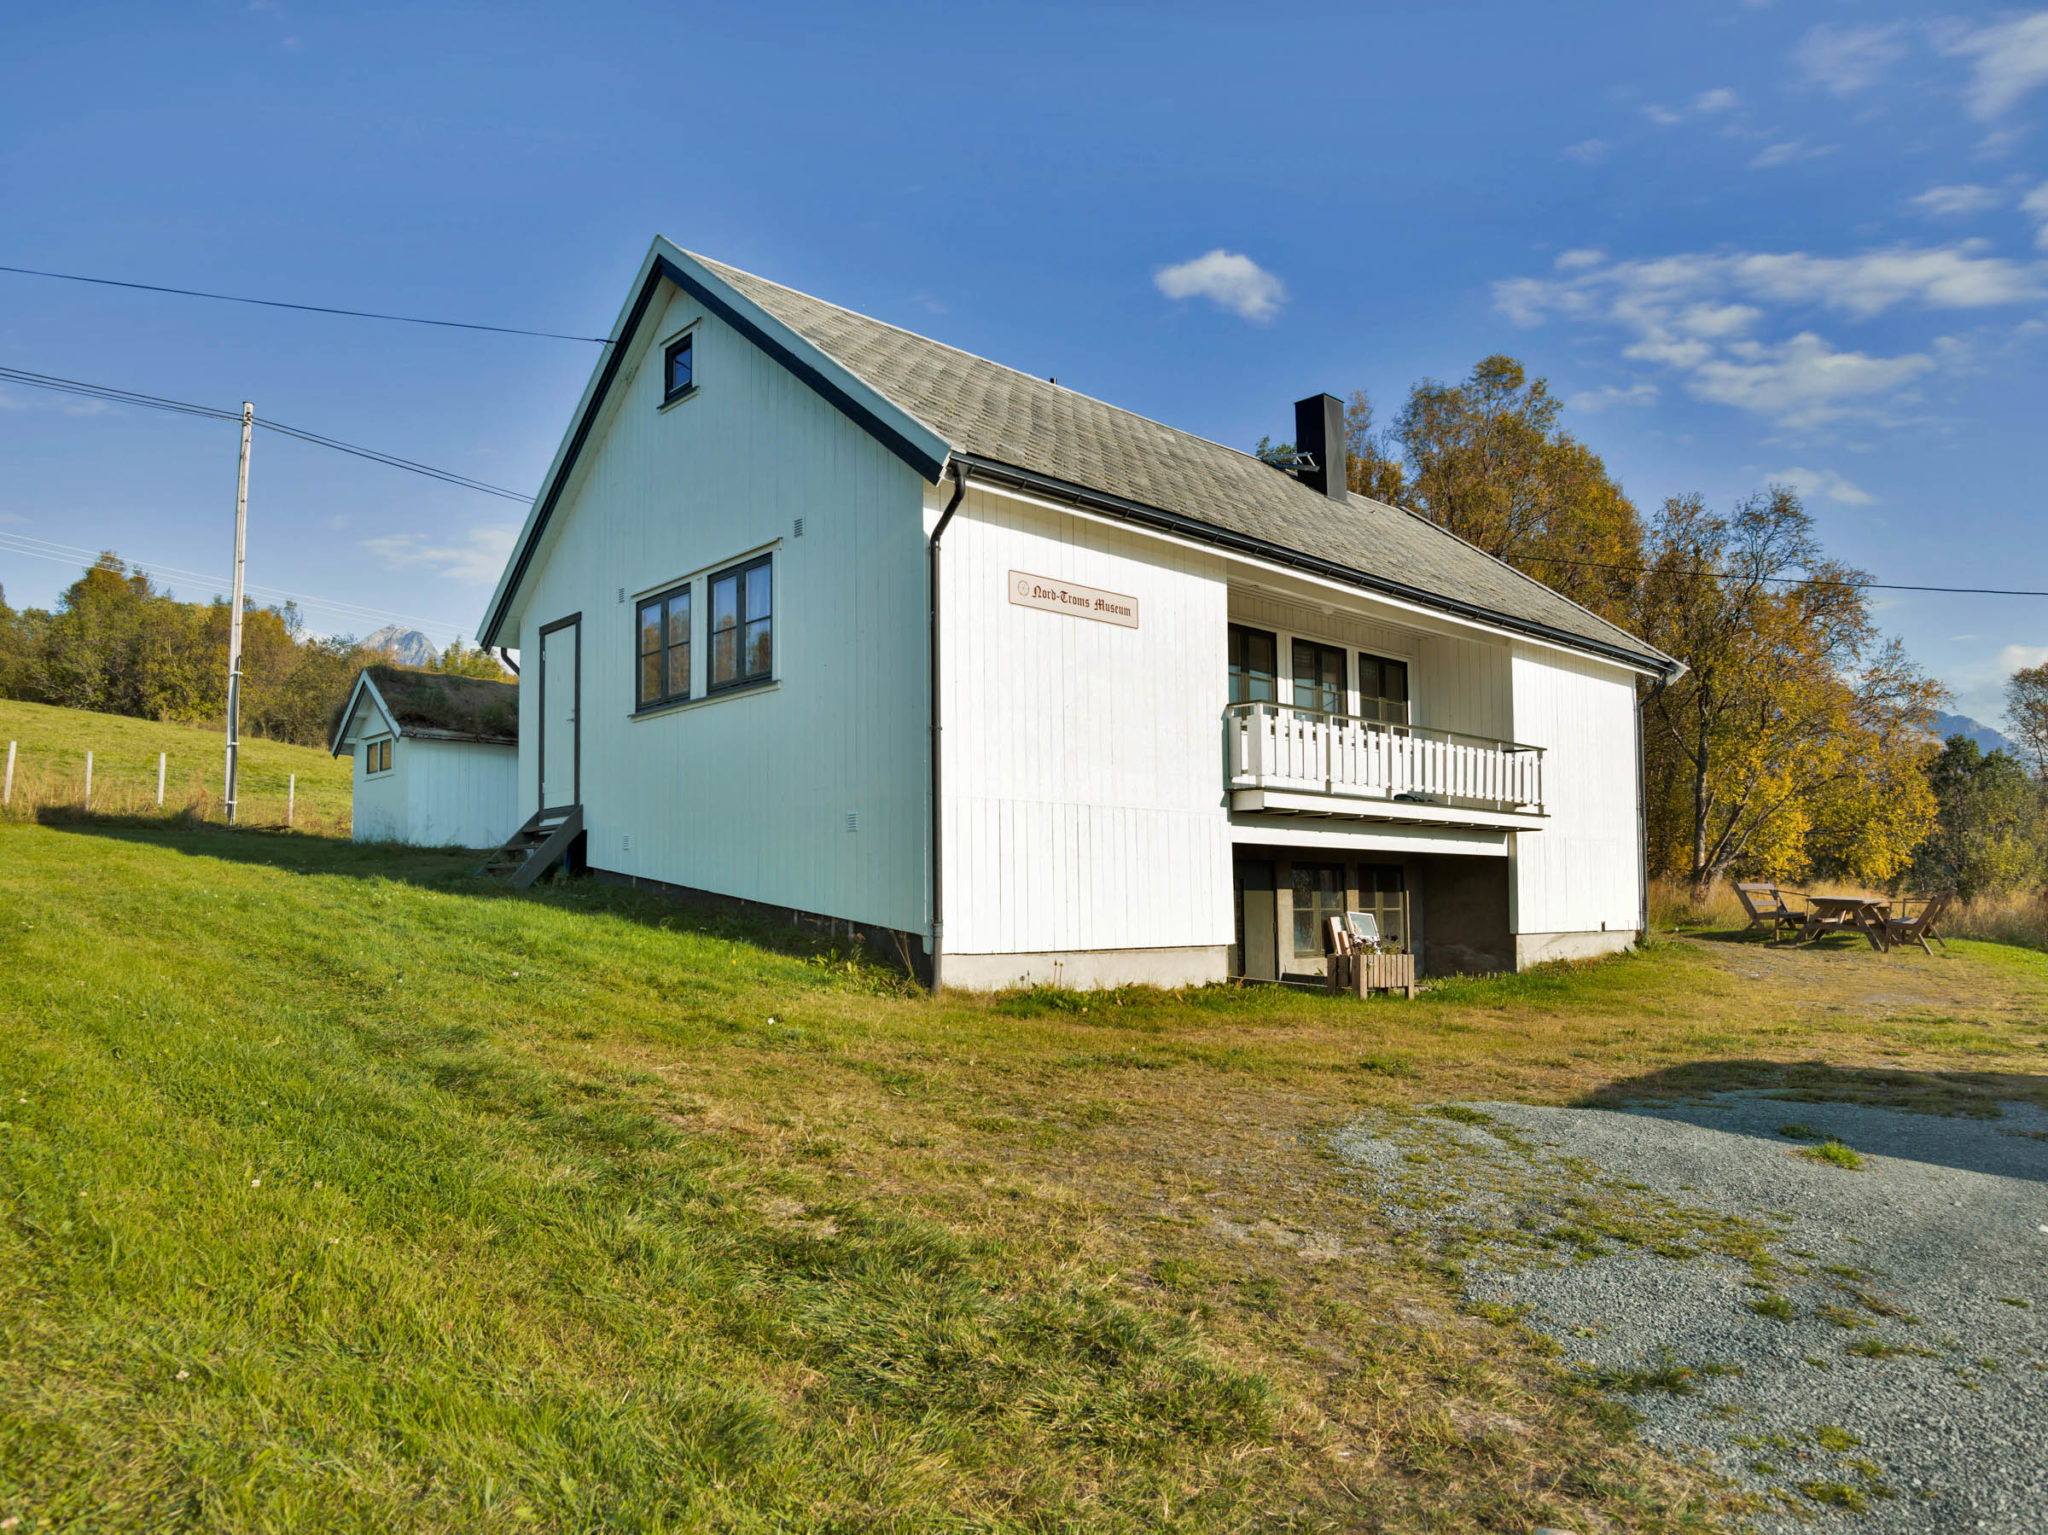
1852,1347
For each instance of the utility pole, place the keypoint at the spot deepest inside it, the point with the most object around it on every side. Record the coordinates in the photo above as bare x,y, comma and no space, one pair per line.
235,614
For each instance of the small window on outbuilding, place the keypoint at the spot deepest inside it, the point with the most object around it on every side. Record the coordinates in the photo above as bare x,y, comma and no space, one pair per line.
678,369
377,756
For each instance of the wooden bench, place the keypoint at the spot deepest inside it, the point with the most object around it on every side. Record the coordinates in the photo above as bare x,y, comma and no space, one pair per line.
1769,907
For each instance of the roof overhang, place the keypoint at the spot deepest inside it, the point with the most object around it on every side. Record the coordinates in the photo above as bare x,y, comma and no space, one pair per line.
365,691
1649,662
902,433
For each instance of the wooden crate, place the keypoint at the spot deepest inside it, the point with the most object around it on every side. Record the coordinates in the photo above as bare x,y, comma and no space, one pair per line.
1368,973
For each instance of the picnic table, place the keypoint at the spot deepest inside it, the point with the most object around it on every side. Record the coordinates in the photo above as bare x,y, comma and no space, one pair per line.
1833,913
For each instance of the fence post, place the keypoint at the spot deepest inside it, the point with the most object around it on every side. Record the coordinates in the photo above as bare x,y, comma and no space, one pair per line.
291,798
7,794
88,780
159,780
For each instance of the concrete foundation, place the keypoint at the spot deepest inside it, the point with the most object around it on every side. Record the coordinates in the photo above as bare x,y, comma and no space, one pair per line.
1545,948
1087,969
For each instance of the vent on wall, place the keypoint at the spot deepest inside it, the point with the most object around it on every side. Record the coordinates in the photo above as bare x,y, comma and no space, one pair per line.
853,820
799,527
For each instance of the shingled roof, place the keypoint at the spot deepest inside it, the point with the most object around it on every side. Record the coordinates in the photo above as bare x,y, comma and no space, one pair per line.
990,412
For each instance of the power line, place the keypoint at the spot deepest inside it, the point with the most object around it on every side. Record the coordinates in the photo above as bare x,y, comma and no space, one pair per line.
272,303
71,554
1871,586
115,396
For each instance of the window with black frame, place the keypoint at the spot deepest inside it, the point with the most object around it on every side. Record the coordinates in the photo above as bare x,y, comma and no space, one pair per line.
1318,677
1382,689
1254,666
664,649
679,369
742,619
1318,896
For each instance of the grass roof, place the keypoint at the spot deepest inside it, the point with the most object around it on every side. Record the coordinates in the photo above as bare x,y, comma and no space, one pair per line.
437,703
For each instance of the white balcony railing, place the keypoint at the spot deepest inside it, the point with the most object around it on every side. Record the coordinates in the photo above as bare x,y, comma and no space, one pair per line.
1301,751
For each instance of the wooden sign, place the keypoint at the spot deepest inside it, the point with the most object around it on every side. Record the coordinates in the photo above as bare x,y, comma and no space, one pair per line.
1028,591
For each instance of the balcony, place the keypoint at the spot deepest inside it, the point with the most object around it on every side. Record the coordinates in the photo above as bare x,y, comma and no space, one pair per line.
1301,762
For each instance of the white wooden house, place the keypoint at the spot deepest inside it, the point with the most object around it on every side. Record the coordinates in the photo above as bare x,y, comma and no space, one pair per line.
436,757
824,616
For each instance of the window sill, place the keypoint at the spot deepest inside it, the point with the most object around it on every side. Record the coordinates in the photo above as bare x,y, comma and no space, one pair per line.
677,399
681,704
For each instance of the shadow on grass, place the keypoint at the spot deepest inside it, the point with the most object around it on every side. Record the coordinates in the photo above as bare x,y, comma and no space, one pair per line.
1974,1094
452,871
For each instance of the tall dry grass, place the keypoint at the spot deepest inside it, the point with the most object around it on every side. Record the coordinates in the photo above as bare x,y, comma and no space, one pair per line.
2019,917
57,791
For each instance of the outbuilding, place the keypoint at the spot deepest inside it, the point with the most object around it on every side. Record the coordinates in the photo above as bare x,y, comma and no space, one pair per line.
436,757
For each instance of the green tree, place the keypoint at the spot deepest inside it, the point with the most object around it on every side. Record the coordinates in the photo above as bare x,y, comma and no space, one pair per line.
473,661
1793,737
2026,710
1988,832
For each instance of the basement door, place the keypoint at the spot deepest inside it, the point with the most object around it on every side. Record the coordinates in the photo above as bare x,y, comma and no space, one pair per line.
561,700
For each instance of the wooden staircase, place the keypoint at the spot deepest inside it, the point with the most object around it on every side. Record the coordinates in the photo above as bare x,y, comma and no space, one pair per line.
536,847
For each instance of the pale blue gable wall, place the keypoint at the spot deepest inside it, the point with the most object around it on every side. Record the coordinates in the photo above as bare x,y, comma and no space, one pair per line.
746,795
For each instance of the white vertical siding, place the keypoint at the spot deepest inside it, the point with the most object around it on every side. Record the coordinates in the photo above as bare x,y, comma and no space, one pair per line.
1085,800
458,793
1583,871
378,806
747,794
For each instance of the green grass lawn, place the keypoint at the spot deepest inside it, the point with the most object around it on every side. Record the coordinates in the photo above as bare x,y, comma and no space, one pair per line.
51,743
340,1191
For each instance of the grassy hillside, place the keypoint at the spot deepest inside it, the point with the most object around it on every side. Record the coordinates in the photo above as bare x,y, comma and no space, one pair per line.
51,744
343,1192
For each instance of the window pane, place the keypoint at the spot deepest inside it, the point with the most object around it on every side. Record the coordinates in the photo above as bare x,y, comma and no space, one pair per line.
650,627
757,592
679,619
1318,677
678,671
650,678
679,366
724,657
757,649
383,756
725,597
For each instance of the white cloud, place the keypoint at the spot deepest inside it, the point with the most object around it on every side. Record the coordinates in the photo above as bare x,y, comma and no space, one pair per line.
2010,60
1720,100
1593,401
2018,658
1707,317
476,561
1578,260
2035,206
1586,151
1229,281
1845,60
1663,117
1790,152
1956,201
1823,484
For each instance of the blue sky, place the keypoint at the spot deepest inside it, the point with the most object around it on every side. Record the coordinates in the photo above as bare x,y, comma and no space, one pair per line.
1796,241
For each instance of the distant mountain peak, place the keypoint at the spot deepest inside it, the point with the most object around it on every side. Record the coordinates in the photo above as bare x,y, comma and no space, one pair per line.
408,647
1987,739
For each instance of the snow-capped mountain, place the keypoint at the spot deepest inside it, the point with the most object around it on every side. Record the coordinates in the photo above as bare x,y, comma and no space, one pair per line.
408,647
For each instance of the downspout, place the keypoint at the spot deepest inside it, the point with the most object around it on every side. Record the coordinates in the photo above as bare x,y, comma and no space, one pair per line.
505,660
938,804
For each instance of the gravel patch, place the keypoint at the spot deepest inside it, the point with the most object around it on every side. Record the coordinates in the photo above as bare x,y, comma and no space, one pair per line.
1855,1347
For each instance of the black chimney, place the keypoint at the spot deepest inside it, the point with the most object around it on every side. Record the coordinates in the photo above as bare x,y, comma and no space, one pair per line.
1319,433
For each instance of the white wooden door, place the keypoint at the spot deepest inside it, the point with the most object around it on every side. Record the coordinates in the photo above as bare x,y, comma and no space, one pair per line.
561,697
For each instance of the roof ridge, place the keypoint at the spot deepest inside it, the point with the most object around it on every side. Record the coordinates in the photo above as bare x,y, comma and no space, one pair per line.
990,362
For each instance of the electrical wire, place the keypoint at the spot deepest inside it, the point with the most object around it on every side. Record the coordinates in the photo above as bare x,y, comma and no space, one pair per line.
69,554
115,396
272,303
1870,586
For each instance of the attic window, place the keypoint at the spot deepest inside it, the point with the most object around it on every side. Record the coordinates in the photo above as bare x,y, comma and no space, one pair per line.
678,369
377,756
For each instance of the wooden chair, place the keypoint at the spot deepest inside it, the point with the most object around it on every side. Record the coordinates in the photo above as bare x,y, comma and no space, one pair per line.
1902,928
1768,907
1340,956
